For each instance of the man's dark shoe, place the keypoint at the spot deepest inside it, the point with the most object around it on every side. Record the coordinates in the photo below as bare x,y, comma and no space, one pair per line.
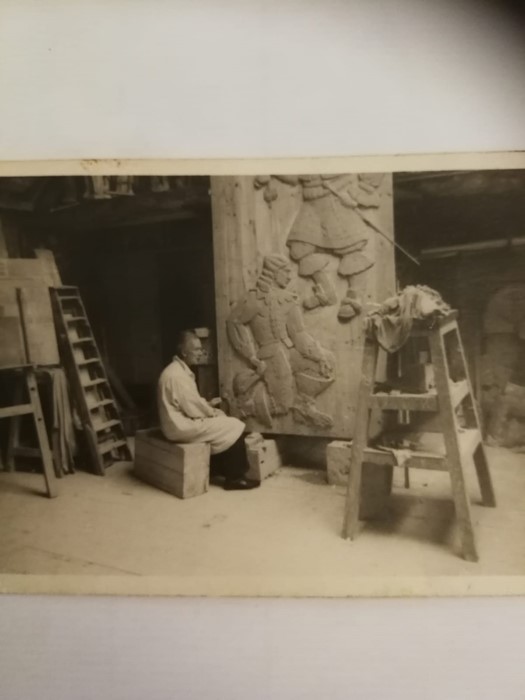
240,484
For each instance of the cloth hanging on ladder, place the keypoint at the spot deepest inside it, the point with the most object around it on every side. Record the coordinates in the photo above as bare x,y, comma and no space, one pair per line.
64,441
391,323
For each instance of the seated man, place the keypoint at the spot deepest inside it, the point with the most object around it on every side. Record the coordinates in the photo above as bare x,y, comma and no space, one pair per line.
187,417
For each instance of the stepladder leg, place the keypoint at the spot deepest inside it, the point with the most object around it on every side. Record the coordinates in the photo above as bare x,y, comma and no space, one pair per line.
13,439
454,455
353,493
484,477
43,442
463,510
351,522
479,455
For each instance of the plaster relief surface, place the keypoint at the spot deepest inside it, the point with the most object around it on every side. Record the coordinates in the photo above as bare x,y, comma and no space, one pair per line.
286,367
298,262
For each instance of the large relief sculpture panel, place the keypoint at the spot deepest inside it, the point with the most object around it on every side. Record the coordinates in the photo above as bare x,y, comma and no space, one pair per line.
298,260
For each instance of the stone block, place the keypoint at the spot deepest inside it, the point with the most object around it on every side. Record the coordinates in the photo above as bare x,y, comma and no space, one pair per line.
182,470
264,457
338,462
376,479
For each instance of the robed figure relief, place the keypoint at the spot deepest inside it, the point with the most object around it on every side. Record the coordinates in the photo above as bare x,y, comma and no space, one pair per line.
298,261
333,220
286,367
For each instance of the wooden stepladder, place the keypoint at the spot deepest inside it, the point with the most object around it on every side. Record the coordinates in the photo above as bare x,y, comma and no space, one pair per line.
452,396
92,393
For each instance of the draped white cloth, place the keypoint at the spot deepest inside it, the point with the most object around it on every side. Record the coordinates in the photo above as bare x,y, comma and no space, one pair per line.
187,417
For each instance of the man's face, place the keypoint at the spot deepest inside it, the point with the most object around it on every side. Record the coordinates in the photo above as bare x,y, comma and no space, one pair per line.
191,350
283,276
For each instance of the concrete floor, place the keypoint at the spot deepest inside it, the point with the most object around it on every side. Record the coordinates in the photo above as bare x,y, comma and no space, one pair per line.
290,527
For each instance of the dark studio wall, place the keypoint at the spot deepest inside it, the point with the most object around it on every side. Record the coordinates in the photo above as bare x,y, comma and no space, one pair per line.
140,284
469,209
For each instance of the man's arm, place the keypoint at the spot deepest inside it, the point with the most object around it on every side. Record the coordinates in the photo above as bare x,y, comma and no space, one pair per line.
184,397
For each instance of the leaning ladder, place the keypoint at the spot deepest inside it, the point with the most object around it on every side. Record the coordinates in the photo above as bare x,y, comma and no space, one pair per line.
92,393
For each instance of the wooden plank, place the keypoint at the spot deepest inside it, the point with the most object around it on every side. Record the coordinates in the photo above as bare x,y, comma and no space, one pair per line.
38,316
26,272
246,230
404,402
12,411
12,352
48,261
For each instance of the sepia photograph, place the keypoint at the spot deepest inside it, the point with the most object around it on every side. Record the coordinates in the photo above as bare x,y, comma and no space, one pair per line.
262,384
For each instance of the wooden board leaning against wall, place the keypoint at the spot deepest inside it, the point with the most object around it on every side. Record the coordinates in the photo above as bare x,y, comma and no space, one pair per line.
32,277
297,261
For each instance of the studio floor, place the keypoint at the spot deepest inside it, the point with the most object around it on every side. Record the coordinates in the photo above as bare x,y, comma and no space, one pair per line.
289,527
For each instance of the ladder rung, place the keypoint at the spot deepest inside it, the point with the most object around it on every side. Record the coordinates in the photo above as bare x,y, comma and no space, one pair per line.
94,382
77,341
404,402
103,448
75,319
99,404
89,361
106,425
69,297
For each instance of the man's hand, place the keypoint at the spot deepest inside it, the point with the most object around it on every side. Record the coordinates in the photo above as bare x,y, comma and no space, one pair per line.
216,402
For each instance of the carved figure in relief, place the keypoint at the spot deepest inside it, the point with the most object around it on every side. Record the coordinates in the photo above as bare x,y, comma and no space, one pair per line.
332,220
288,367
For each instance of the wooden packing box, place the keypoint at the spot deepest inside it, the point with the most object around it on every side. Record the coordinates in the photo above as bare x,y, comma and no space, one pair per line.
182,470
376,479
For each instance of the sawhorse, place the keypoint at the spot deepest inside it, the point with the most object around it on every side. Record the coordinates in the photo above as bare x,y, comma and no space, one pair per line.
30,405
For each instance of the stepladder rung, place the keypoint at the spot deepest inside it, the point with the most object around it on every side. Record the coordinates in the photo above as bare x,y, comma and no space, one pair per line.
402,401
69,297
106,425
111,445
80,341
75,319
434,460
100,403
94,382
89,361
